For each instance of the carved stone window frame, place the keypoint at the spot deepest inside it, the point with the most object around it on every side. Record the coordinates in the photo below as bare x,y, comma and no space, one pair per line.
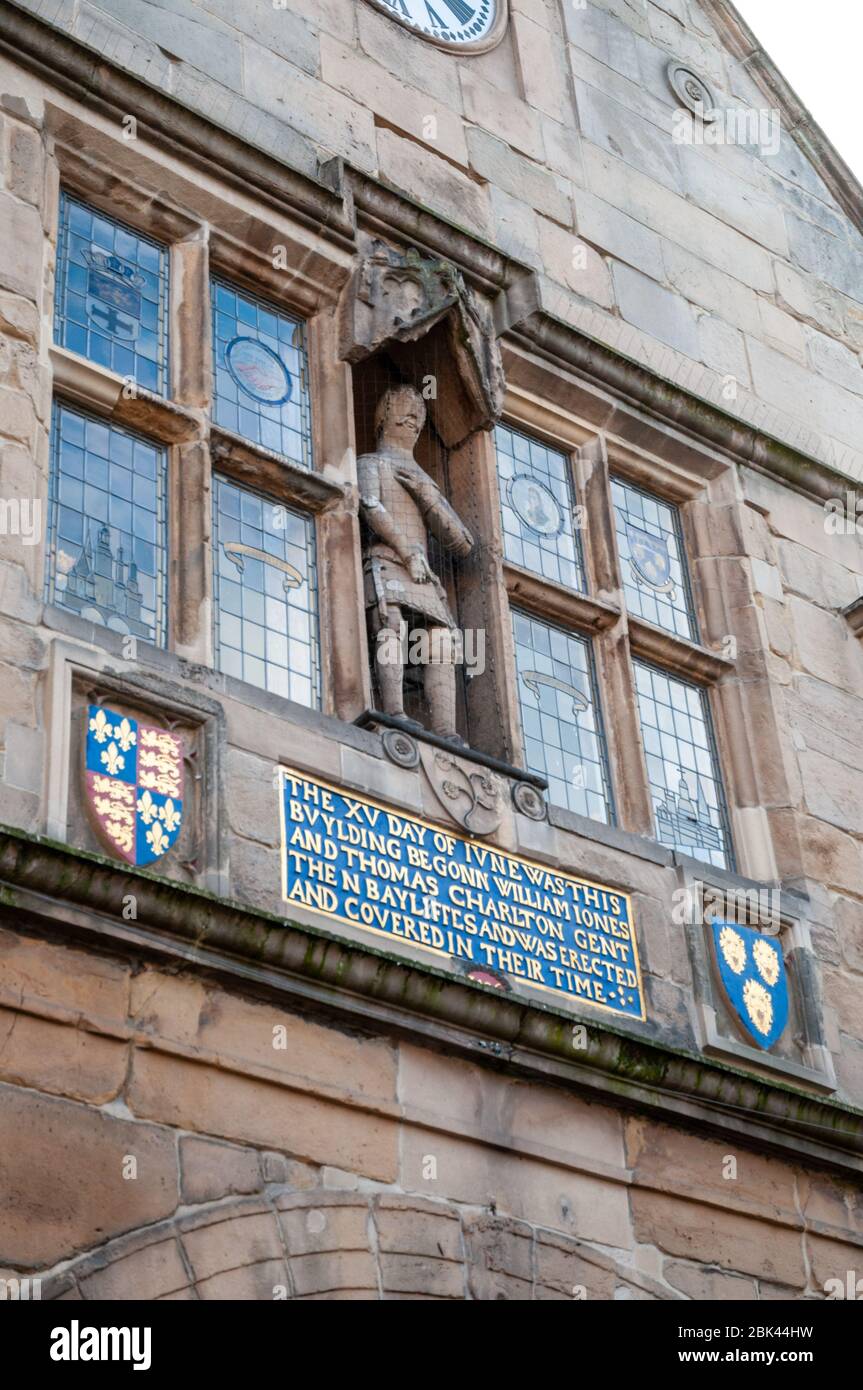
604,438
209,230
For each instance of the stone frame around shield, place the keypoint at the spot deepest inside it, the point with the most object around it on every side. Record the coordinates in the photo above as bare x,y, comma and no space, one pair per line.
806,1057
74,672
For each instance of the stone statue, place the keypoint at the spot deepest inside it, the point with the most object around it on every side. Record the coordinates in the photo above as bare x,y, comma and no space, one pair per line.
402,505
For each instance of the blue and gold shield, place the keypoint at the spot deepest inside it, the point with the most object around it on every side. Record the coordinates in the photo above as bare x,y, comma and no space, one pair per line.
649,557
752,969
133,777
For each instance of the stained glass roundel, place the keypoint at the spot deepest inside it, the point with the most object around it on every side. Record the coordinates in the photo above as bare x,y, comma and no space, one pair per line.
454,24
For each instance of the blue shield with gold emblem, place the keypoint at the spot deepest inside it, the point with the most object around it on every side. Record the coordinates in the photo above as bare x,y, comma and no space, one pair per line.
752,969
134,776
649,557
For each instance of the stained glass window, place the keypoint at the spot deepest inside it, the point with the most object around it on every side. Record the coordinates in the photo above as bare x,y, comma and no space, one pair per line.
538,508
560,716
260,386
682,767
266,594
106,557
652,559
111,301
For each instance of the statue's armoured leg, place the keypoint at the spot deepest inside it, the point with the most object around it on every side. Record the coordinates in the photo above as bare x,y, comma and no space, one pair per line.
439,681
389,659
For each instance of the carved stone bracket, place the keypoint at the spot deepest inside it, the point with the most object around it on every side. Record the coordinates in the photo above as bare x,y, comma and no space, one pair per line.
472,796
395,299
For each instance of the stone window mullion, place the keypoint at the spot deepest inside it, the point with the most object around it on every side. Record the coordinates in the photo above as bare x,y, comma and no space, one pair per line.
190,464
615,674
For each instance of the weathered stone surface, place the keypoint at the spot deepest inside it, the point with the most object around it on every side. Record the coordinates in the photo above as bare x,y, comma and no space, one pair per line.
611,230
708,1234
404,164
665,1160
219,1245
409,110
239,1107
411,1225
92,985
155,1271
63,1187
210,1170
65,1061
498,164
501,1258
21,234
708,1284
656,311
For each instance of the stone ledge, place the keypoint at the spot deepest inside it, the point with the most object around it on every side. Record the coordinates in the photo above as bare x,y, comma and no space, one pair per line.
77,893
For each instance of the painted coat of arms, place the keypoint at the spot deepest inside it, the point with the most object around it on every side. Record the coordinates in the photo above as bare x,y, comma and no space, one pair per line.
134,777
650,559
752,970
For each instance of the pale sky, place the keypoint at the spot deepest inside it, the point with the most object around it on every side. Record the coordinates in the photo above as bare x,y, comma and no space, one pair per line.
818,47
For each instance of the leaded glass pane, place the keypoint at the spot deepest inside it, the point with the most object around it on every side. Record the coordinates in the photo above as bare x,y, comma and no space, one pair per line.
108,520
537,506
266,594
111,299
560,717
652,560
260,373
682,767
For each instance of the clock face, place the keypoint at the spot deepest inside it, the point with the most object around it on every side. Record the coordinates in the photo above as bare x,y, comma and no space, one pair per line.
456,24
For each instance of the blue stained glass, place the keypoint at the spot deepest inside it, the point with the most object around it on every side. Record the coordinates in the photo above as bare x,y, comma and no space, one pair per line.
561,720
259,597
537,505
683,767
260,384
111,300
107,553
652,560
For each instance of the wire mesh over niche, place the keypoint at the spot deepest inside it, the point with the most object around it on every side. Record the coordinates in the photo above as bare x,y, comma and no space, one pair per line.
370,380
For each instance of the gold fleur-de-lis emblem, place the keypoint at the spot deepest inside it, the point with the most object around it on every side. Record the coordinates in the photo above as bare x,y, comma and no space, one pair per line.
147,808
113,759
170,815
157,839
100,726
125,735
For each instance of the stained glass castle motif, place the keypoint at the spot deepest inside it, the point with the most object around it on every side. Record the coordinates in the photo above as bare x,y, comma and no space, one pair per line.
686,823
98,584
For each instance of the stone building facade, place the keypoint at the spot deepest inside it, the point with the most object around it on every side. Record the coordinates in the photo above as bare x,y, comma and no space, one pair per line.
620,266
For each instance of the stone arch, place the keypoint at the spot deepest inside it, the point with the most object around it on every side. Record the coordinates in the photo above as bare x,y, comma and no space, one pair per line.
341,1245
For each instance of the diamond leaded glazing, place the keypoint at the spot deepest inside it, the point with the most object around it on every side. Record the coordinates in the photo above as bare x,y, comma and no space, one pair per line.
537,505
108,525
652,560
560,716
111,300
260,385
682,767
266,594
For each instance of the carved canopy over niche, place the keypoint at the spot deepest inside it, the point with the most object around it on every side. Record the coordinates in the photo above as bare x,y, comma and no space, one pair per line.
397,298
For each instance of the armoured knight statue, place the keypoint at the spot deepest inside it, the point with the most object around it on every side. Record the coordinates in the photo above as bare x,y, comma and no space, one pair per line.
402,505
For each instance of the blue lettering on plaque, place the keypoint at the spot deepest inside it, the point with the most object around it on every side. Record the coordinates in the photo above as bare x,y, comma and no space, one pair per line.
496,914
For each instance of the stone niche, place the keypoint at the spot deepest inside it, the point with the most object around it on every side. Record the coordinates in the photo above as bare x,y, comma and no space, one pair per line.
408,320
432,325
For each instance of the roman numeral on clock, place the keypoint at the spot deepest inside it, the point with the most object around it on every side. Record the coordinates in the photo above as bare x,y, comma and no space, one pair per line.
463,13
